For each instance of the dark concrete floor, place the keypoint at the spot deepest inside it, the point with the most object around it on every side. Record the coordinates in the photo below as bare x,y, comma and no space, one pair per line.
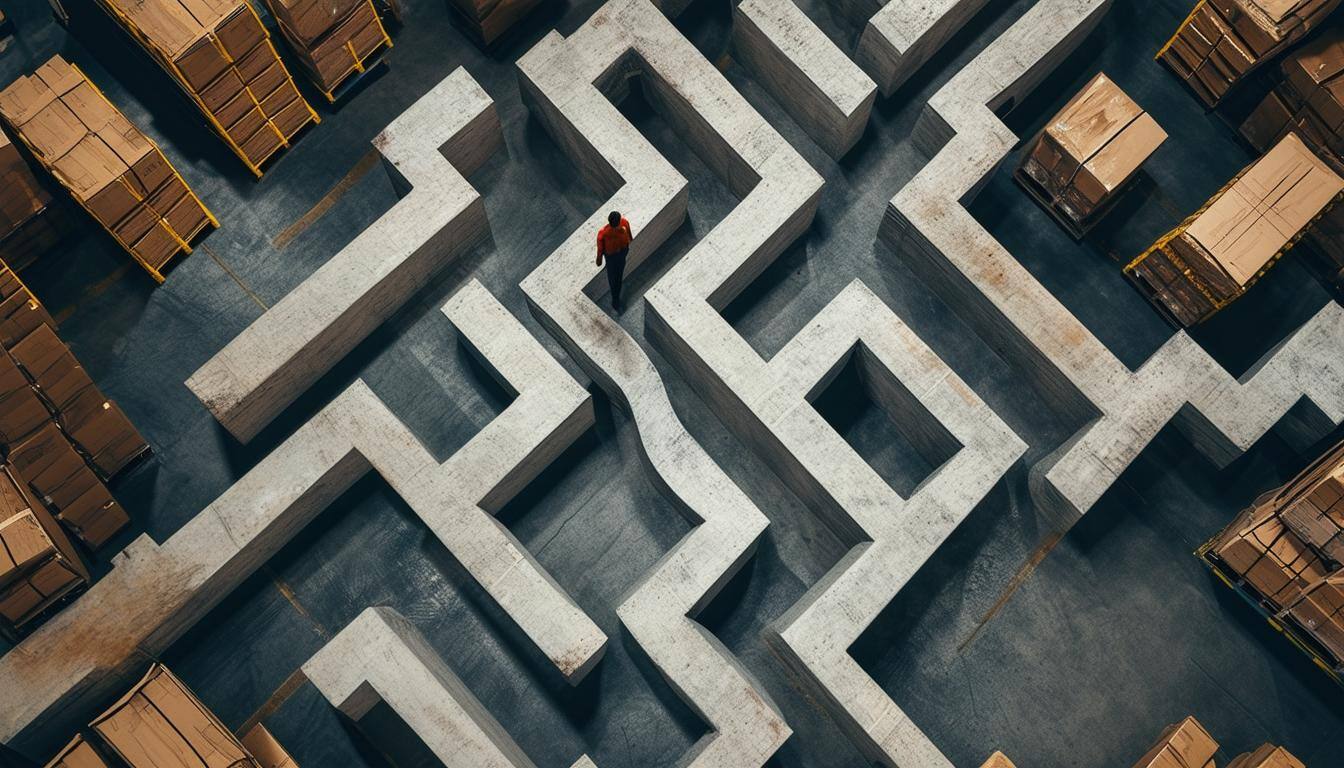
1118,631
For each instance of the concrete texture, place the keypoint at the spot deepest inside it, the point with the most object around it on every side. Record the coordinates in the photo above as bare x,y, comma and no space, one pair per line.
449,132
156,593
563,78
822,89
902,36
1058,650
1222,415
381,657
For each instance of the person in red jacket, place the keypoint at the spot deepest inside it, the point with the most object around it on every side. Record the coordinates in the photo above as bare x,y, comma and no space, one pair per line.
613,244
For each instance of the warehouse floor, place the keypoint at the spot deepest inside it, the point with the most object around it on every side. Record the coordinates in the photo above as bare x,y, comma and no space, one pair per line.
1062,652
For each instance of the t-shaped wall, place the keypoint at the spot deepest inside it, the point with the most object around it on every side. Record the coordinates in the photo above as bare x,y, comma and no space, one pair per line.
155,592
928,224
449,132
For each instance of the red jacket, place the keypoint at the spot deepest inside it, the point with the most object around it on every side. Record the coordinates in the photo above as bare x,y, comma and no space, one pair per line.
613,239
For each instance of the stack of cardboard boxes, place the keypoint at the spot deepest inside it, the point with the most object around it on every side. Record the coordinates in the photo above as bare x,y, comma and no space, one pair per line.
333,39
220,54
160,723
57,429
1214,256
1222,41
488,20
1187,745
38,564
1289,550
1267,756
1309,102
29,225
1087,153
111,169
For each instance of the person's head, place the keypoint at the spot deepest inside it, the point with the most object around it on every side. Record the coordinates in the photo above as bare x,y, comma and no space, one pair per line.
614,218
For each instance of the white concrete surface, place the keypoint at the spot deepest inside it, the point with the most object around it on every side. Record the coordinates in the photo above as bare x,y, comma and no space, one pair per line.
822,90
570,84
927,224
381,657
427,150
71,665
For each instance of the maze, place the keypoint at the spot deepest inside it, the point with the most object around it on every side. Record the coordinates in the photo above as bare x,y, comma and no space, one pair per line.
573,86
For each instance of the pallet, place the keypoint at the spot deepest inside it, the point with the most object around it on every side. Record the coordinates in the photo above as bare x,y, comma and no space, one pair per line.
1282,622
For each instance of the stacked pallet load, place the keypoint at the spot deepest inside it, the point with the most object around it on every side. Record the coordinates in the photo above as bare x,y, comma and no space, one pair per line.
38,564
57,428
1286,553
109,167
1309,102
1087,154
1214,256
488,20
79,753
161,723
1187,745
1267,756
29,223
333,39
221,56
1222,41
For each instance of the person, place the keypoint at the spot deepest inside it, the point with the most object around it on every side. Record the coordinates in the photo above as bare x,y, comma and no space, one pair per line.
613,244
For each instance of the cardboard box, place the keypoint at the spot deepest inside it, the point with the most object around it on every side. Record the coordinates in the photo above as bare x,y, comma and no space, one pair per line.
212,48
38,564
78,754
1215,255
22,196
23,546
160,722
306,21
1222,41
1183,745
1088,152
20,311
266,750
62,481
998,760
1266,756
22,411
109,166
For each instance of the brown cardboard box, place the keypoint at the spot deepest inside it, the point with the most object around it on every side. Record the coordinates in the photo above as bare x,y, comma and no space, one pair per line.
161,723
1087,152
38,564
22,411
212,47
112,166
1183,745
306,21
1222,41
21,195
1268,206
266,750
78,754
1266,756
998,760
1321,613
23,545
1215,255
63,482
20,311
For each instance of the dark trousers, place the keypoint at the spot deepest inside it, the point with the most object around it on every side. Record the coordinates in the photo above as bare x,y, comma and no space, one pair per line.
615,273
